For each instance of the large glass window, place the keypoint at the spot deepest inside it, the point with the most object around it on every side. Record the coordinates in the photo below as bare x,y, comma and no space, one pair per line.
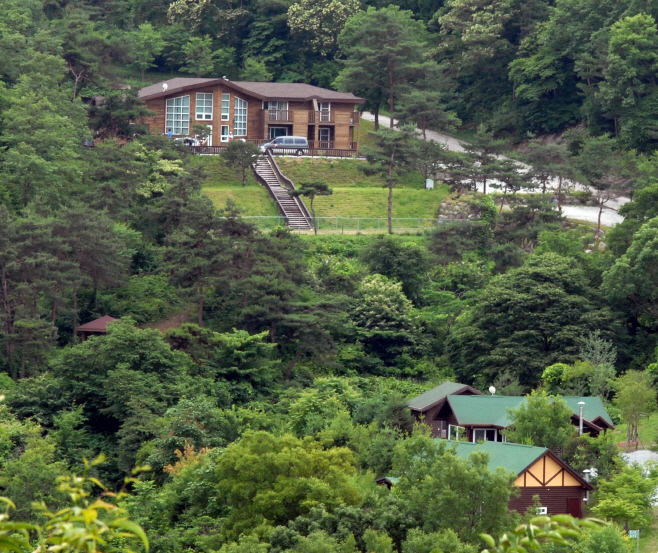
204,106
226,106
240,117
178,115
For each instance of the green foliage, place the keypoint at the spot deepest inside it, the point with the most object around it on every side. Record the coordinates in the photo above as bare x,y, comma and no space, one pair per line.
636,398
542,421
264,477
626,498
527,319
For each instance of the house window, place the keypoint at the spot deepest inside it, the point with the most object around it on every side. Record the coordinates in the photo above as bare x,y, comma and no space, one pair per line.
204,106
178,115
325,112
275,106
275,132
226,105
240,117
485,435
224,134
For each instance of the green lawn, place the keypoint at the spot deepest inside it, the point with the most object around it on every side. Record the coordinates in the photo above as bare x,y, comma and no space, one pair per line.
355,193
223,184
338,173
372,202
648,431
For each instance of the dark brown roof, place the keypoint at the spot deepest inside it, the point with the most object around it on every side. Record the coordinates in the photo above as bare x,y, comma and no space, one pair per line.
263,91
97,325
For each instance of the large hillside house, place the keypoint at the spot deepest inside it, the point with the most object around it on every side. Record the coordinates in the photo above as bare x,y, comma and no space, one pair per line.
456,411
253,111
538,472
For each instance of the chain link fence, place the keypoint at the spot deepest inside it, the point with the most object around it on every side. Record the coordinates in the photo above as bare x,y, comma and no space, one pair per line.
354,225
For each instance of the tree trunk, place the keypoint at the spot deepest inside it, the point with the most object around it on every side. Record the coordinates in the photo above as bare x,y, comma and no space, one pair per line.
23,365
376,118
315,223
598,224
200,306
559,193
484,185
292,364
390,208
391,91
74,339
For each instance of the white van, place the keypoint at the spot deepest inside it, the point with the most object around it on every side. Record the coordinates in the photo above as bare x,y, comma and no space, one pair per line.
297,145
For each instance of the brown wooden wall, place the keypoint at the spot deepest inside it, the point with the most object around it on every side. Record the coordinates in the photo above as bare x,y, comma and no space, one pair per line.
257,125
555,499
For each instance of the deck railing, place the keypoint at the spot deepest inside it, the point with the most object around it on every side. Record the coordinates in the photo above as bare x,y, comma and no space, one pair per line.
279,115
355,225
310,152
321,117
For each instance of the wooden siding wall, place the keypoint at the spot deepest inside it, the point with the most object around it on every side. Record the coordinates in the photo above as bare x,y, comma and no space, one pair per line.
257,125
555,499
546,472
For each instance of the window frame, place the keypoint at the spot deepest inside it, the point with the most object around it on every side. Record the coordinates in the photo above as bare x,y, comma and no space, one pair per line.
205,106
224,137
240,117
226,109
184,123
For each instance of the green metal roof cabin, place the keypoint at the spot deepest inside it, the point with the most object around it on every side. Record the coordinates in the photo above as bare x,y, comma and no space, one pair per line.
483,417
537,472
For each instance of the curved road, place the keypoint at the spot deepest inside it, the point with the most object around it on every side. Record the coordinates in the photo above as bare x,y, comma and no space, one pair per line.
609,217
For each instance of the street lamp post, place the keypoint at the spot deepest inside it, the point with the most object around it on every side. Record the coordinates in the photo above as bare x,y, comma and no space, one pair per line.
580,425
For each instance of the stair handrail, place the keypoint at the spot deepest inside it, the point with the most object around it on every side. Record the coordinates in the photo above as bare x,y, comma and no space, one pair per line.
267,186
287,183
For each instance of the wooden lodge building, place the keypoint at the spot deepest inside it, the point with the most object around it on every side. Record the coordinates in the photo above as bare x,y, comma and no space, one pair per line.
252,111
454,410
538,471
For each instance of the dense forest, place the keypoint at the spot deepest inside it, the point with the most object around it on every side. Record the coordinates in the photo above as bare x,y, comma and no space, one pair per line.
258,381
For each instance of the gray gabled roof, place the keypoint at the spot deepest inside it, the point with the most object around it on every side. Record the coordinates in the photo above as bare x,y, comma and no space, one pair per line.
264,91
431,397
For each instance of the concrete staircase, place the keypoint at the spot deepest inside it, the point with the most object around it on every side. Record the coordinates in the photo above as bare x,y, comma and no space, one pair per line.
291,207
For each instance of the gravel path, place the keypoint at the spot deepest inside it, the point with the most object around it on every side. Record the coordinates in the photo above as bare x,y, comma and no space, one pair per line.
609,217
640,456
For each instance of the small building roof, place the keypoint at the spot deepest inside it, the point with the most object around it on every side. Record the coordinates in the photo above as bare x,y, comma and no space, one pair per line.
512,457
263,91
97,325
432,397
479,410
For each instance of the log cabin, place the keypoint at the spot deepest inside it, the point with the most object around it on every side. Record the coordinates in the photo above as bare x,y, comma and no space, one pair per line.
426,406
253,111
480,417
537,472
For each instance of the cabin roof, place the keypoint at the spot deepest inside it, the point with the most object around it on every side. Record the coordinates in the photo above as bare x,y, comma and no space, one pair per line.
433,396
97,325
263,91
512,457
516,458
481,410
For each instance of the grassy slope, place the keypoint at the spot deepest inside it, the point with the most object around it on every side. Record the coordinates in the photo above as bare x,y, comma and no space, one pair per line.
223,184
355,194
648,431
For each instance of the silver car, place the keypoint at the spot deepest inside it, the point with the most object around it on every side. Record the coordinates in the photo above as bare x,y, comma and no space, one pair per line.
292,145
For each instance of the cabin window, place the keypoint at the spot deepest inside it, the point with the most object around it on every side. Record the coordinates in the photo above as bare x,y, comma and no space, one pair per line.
485,435
224,134
240,117
204,106
226,106
277,131
178,115
275,106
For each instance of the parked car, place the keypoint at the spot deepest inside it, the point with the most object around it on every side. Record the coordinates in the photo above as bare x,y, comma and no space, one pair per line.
297,145
187,141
